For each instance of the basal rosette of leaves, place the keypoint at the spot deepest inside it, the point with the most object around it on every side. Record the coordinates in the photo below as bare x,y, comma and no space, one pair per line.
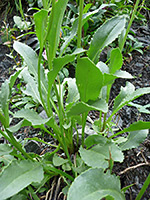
69,101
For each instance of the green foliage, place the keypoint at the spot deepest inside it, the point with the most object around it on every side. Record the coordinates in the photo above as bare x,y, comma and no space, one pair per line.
98,156
134,139
89,79
89,185
18,175
105,35
70,101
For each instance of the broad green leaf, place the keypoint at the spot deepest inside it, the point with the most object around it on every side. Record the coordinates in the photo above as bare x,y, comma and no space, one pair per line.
105,35
31,59
99,155
99,104
4,96
134,139
73,94
81,107
94,184
54,27
89,79
58,64
19,197
116,60
95,139
58,161
125,91
29,56
31,116
31,86
130,97
41,19
18,175
109,77
5,149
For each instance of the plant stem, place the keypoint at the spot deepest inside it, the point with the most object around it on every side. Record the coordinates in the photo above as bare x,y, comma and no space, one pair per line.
5,136
16,144
107,100
61,122
130,23
146,184
100,120
84,116
80,24
39,81
50,57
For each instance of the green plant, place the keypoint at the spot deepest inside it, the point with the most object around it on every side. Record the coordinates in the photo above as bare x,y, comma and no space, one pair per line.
70,101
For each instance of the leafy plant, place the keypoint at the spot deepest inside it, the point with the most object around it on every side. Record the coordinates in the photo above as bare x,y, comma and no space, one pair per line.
70,102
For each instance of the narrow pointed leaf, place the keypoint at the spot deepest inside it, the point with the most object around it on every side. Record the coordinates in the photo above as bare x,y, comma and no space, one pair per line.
137,126
123,74
4,105
110,77
4,95
55,22
130,97
41,19
105,35
13,78
142,109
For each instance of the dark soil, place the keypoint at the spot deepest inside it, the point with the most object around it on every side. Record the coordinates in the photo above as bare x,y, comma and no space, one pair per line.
139,67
